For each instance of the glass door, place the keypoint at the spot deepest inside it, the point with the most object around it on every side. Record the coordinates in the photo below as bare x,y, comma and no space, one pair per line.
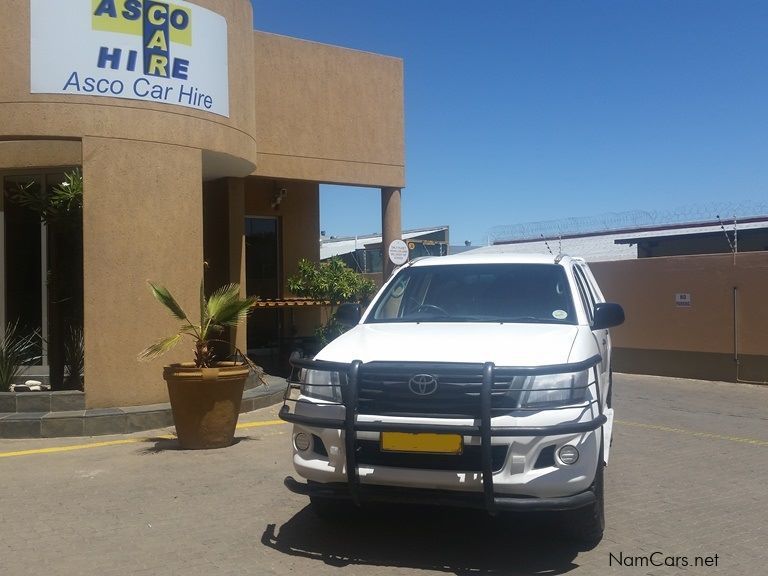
41,285
23,271
262,272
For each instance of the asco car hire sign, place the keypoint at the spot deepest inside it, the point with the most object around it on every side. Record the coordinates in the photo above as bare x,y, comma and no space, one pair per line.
167,52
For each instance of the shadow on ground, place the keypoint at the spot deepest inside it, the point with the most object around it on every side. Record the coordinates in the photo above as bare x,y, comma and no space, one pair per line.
452,541
164,444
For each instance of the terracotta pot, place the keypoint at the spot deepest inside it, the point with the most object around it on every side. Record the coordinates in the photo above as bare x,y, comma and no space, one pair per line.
205,403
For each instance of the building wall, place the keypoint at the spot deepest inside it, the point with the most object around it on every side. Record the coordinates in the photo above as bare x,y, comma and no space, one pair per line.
139,225
26,115
319,114
328,114
32,154
699,341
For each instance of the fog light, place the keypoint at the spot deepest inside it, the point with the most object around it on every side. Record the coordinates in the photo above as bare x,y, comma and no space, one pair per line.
568,454
302,442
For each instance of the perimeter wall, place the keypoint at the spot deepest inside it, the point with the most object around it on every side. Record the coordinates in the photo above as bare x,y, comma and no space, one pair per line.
722,335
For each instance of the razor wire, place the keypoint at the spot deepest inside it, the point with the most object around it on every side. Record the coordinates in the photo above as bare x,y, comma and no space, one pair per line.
705,213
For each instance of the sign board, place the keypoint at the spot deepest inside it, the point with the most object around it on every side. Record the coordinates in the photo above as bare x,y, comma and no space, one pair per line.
398,252
683,300
171,52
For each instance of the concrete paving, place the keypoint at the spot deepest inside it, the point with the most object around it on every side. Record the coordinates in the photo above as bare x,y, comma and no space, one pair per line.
687,480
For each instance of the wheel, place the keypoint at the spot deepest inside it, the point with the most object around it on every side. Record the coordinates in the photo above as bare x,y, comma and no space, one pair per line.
586,525
331,509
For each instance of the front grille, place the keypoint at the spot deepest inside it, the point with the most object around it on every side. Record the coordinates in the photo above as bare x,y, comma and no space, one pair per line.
470,460
385,391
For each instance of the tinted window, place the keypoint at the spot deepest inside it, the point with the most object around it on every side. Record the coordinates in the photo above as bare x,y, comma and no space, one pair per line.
477,293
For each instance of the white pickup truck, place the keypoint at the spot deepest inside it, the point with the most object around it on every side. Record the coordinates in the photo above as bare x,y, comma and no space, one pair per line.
477,380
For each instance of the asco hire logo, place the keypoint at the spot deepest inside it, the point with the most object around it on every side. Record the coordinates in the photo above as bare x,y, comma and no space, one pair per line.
154,66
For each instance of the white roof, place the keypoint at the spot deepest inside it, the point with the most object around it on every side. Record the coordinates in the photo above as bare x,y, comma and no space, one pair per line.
330,247
602,247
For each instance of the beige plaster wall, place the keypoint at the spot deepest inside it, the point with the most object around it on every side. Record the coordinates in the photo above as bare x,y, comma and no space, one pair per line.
646,289
27,115
25,154
328,114
122,251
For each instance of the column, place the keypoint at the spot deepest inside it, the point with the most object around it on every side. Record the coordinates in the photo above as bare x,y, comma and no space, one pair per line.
142,220
236,214
391,227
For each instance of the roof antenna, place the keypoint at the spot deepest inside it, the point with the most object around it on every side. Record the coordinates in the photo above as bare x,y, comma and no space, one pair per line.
546,244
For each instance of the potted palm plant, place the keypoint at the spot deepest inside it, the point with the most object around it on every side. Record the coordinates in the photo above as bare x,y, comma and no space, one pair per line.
205,395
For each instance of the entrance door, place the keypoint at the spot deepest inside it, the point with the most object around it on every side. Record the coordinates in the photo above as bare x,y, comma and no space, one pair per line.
24,260
262,273
41,282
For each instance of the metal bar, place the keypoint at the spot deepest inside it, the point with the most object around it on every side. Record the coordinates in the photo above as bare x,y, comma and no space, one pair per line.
349,391
332,423
505,431
485,438
415,427
556,430
597,392
455,368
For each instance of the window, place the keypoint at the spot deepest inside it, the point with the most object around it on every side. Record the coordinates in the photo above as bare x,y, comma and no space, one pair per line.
515,293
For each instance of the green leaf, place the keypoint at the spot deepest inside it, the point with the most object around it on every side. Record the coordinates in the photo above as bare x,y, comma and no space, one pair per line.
226,308
160,347
166,299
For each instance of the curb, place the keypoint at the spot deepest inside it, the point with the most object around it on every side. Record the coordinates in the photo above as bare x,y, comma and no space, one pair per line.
108,421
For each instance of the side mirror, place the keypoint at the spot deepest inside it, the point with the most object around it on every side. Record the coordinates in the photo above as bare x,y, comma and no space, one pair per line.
607,315
349,314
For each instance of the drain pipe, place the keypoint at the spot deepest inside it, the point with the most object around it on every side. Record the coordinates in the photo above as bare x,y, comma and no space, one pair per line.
736,339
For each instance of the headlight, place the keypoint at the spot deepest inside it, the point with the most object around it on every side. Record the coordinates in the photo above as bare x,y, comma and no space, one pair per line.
321,384
553,390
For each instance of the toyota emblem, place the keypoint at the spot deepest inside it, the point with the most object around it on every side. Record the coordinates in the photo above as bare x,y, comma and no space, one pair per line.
423,384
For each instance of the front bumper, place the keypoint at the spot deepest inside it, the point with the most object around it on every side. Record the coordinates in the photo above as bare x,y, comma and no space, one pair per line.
341,474
396,494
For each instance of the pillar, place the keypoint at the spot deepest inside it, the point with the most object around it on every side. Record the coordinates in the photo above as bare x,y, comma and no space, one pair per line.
391,227
236,227
142,220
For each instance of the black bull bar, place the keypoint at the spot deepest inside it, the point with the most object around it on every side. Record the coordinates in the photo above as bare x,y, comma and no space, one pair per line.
490,373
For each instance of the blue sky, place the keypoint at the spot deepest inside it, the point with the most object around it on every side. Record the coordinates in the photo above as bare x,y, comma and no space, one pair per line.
520,111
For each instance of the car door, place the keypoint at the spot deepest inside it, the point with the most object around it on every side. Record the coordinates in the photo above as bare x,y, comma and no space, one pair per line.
591,296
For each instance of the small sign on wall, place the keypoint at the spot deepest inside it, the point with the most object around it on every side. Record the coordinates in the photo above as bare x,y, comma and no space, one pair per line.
683,300
398,252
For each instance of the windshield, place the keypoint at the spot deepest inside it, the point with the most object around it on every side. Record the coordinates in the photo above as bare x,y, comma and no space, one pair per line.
535,293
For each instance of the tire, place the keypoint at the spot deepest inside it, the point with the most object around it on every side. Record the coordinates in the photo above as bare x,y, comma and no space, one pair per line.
586,525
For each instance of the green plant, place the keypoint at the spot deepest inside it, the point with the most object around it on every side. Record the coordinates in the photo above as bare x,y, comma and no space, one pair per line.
221,309
63,203
16,350
74,357
334,282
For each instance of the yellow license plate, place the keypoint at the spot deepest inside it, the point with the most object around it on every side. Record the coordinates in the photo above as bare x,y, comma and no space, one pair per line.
421,442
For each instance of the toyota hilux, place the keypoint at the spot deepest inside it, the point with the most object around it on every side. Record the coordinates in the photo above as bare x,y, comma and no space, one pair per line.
474,380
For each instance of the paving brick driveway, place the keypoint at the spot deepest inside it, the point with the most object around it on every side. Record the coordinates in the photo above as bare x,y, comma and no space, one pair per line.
688,477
